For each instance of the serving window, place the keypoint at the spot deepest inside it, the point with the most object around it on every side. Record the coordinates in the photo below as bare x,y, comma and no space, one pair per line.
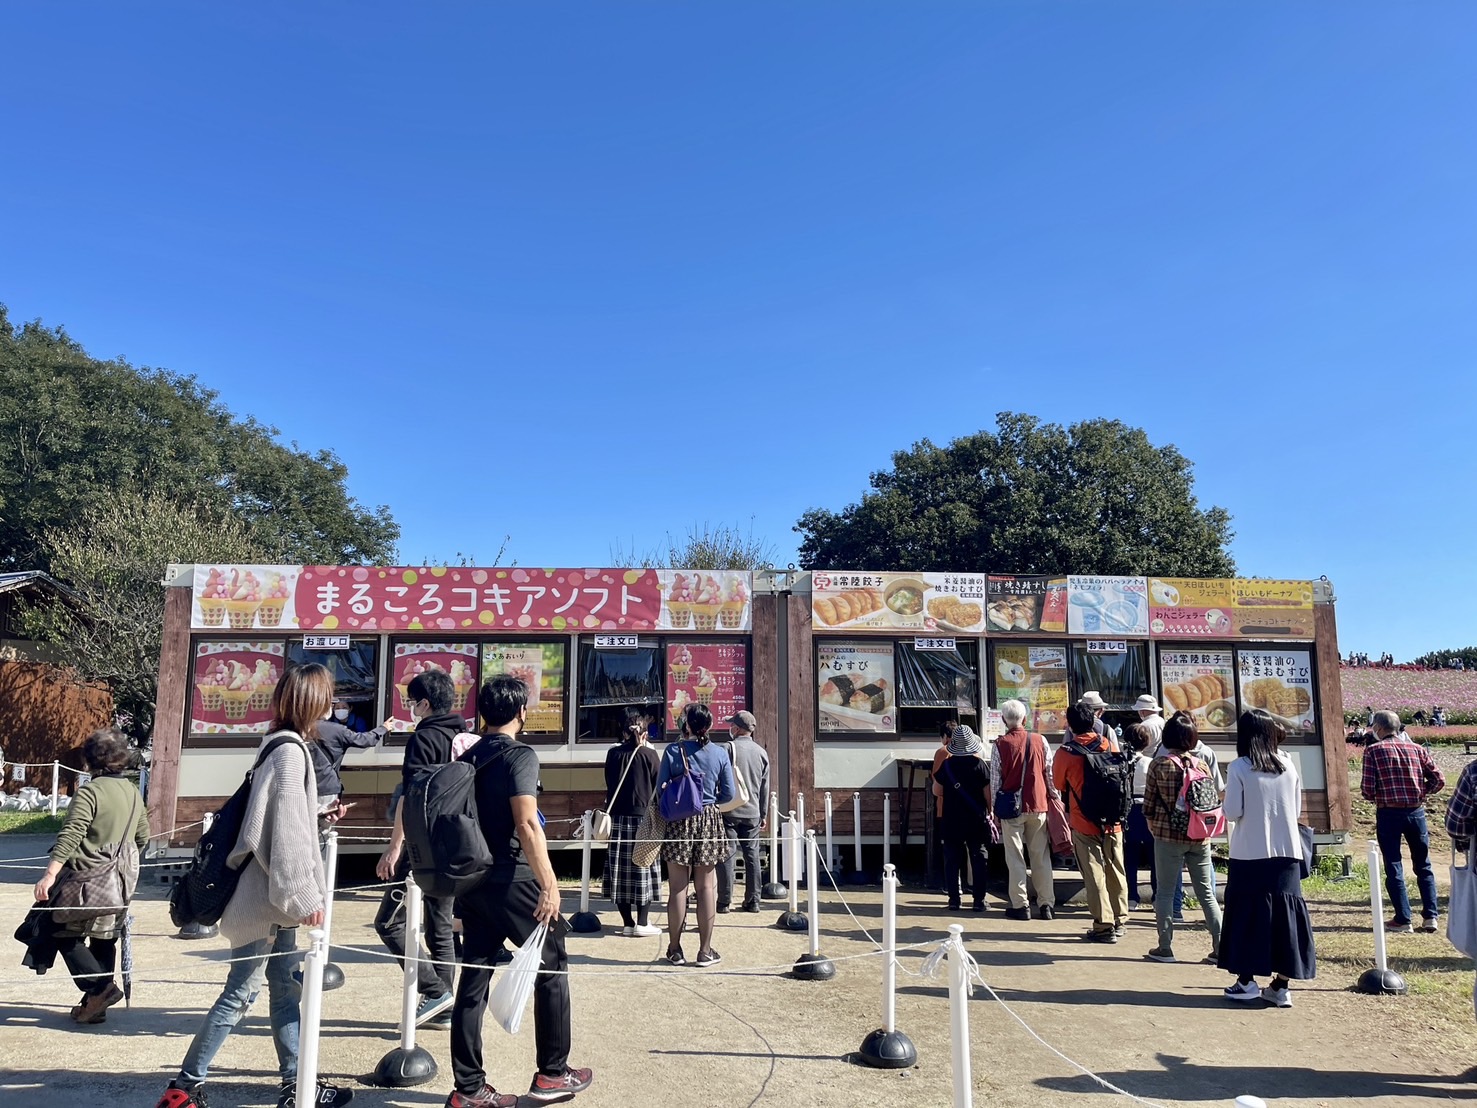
1119,676
936,685
355,676
660,677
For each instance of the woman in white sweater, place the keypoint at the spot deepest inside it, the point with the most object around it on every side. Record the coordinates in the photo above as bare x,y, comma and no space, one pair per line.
281,886
1266,928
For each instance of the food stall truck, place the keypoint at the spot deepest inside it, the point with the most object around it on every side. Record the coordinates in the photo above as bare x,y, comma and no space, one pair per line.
848,672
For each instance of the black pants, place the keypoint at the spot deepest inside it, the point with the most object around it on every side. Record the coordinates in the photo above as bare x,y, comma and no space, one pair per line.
492,913
90,961
958,849
389,922
746,831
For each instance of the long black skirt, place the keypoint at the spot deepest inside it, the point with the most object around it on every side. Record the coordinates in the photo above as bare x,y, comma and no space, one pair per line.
1266,927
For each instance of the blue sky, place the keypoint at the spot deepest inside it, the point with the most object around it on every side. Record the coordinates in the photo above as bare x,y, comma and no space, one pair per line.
588,273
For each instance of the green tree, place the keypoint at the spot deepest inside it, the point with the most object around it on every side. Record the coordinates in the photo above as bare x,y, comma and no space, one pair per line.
114,558
1442,659
703,547
1096,497
77,432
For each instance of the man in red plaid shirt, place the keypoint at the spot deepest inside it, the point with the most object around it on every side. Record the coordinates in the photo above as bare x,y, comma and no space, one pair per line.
1398,777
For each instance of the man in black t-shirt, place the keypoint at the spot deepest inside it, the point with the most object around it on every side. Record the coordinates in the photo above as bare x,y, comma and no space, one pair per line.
519,893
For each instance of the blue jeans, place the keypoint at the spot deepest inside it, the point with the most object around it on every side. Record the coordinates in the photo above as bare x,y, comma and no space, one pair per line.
1137,841
1392,825
264,960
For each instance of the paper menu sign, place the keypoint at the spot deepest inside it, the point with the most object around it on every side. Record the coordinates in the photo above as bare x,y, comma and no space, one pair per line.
1036,676
862,600
1017,605
1245,608
857,687
1280,682
1107,605
541,668
708,673
1201,682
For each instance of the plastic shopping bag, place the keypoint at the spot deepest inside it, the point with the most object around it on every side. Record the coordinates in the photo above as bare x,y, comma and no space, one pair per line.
510,992
1461,908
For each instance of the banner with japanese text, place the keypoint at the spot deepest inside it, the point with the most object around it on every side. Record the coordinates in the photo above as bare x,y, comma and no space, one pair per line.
1037,677
858,600
1201,682
1280,682
410,660
1247,608
712,674
540,666
857,687
1107,605
1026,605
233,687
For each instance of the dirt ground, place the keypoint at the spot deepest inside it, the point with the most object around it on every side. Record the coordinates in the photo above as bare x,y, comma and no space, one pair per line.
746,1034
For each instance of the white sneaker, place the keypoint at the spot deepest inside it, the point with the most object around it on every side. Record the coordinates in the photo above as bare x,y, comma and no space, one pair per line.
1250,990
645,930
628,931
1281,998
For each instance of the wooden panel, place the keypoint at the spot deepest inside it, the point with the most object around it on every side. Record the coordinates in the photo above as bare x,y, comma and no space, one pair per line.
169,713
764,665
1315,810
801,678
1340,816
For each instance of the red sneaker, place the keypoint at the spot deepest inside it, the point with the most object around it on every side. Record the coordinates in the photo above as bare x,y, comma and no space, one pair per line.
548,1090
485,1097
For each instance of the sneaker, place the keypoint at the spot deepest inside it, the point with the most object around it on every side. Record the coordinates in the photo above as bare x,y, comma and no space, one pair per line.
1118,930
979,905
432,1006
1244,991
1430,925
1279,998
441,1022
1017,913
182,1095
547,1090
706,958
1045,911
628,932
502,956
1105,935
675,957
1134,905
1178,917
1398,927
645,930
485,1097
326,1095
1161,954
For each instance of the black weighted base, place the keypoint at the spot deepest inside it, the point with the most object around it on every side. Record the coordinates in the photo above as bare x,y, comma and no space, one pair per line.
813,967
403,1068
774,891
333,976
198,931
887,1050
792,921
586,923
1378,982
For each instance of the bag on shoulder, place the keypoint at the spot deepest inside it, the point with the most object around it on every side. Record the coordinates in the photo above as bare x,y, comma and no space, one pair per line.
1107,784
741,794
1197,812
601,822
682,796
103,890
444,843
202,894
1007,802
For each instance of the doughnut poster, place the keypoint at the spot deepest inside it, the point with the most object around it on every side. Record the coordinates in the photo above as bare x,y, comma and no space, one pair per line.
713,674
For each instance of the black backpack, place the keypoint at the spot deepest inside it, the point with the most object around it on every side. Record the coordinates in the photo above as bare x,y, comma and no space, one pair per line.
444,843
1107,784
202,894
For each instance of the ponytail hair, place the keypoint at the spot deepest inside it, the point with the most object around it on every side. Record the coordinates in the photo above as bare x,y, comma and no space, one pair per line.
699,721
634,726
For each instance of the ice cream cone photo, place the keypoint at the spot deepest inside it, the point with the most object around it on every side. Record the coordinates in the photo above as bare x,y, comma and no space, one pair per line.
212,611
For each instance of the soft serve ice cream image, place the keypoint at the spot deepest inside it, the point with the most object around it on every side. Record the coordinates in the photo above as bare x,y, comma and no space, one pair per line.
464,681
706,685
263,682
410,673
212,684
735,596
237,694
245,600
275,595
213,599
707,603
679,602
681,664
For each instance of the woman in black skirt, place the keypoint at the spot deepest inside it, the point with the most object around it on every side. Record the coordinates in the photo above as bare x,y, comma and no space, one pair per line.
630,779
1266,927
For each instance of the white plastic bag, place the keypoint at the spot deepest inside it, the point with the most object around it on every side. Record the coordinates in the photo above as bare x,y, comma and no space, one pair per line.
1461,909
511,990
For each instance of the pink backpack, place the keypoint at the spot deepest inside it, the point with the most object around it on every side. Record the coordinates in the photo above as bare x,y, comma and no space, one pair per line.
1198,813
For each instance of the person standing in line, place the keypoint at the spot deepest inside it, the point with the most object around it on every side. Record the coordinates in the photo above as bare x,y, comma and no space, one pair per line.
695,845
1092,700
1399,775
1151,719
1137,841
1174,848
1204,753
431,695
745,823
281,886
631,768
1097,847
1266,926
963,781
1020,782
946,732
518,893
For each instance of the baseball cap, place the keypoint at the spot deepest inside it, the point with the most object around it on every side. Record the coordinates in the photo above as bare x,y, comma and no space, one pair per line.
745,720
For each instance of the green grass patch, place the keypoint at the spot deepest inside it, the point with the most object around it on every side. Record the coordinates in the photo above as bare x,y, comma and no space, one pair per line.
30,823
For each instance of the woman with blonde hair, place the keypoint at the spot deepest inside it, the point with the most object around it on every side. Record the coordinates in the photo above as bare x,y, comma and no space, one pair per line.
281,885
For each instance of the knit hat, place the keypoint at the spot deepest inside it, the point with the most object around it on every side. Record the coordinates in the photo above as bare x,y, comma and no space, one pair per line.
965,741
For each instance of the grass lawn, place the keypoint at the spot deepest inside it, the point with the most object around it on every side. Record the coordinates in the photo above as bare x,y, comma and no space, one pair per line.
30,823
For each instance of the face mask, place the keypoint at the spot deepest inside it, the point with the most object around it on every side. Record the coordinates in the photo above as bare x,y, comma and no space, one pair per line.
341,713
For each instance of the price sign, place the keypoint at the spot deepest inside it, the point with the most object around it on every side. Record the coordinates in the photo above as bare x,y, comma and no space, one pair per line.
325,642
83,780
939,644
617,642
1107,646
18,773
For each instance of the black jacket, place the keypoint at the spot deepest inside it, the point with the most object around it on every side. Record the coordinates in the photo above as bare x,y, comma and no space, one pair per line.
430,744
336,739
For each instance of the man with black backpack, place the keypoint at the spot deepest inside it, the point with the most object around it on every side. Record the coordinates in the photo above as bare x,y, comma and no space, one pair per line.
1095,779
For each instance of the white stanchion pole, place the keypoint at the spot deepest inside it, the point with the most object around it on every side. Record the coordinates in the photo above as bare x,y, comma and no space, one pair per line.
411,998
333,976
813,965
585,921
856,832
774,890
1376,908
887,1047
309,1015
799,815
794,843
959,1019
56,774
886,830
830,851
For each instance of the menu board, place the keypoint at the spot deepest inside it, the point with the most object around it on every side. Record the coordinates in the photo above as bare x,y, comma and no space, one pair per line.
712,674
857,687
1036,676
233,687
1281,682
1026,605
1107,605
1201,682
540,666
1184,607
412,659
856,600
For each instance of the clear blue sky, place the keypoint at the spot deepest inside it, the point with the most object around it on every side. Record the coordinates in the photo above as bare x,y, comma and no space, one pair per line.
587,273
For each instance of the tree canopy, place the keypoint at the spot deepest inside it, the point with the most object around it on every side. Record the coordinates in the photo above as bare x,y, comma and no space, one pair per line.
77,432
1442,659
1033,497
705,546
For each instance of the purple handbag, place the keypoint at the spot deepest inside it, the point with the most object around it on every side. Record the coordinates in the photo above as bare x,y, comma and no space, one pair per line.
682,797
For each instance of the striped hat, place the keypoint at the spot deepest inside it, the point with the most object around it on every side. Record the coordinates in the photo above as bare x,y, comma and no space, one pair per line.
965,741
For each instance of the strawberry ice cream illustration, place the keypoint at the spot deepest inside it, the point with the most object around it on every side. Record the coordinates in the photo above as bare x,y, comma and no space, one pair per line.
237,694
679,601
213,599
416,667
707,602
212,683
706,685
681,664
735,596
245,600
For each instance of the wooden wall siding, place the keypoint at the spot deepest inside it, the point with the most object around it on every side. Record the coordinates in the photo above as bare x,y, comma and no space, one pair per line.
1339,816
764,665
801,675
170,709
45,715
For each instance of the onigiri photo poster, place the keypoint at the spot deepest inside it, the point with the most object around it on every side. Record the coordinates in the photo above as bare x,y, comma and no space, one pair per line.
857,687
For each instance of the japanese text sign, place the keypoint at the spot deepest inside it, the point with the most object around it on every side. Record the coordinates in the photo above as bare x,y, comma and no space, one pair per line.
1249,608
1026,605
858,600
1280,682
1116,605
1201,682
712,674
857,687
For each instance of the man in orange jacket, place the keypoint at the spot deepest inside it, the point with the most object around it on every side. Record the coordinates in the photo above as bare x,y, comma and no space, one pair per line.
1098,848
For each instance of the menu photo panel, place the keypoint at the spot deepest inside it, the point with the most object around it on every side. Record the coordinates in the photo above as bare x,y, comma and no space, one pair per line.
1280,682
1037,677
1203,683
410,660
233,686
713,674
857,687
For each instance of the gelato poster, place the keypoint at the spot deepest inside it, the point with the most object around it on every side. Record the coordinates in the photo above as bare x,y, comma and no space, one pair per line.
540,666
857,686
233,687
1037,677
1107,605
1201,682
243,597
1026,605
1181,607
1281,682
717,601
854,600
713,674
412,659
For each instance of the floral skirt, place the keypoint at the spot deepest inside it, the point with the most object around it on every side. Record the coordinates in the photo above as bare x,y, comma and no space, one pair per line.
700,840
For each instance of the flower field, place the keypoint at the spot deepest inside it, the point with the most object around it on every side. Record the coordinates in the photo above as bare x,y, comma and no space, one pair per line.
1408,690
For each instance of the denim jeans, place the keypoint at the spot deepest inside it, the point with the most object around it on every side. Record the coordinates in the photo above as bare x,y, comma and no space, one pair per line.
1392,825
264,960
1170,862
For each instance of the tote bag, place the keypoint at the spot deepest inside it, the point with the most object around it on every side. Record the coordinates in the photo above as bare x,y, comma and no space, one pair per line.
84,894
1461,908
510,993
682,796
741,794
